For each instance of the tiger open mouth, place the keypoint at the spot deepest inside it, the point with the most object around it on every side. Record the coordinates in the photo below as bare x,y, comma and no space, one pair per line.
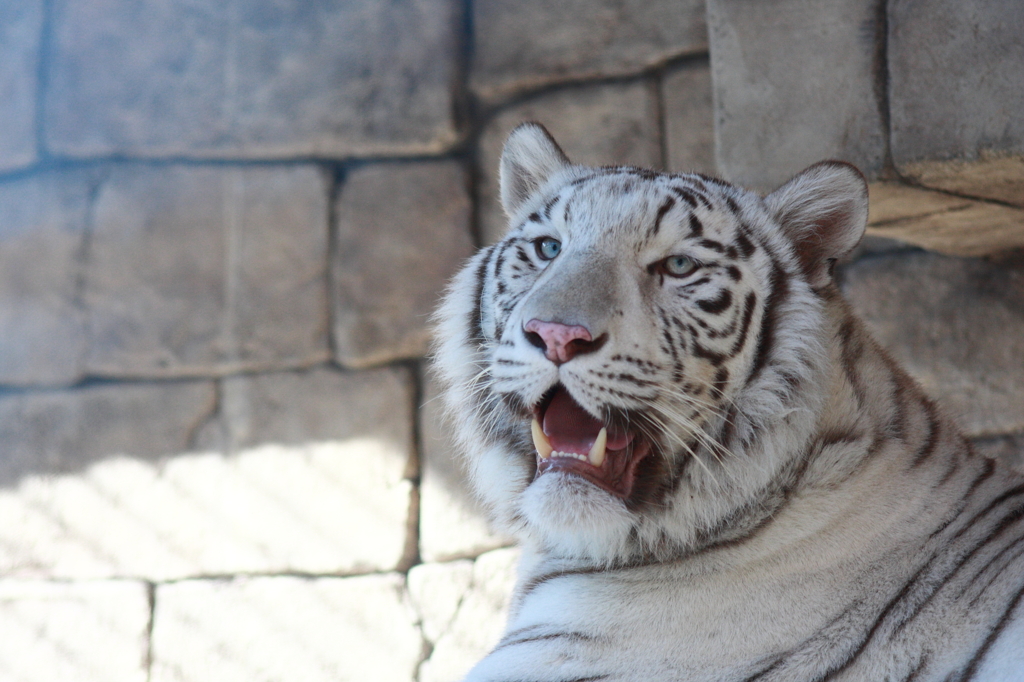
571,440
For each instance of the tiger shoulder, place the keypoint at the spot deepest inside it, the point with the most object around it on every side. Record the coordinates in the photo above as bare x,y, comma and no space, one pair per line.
714,472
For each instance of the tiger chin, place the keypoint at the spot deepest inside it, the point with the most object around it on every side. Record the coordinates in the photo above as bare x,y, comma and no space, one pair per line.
713,471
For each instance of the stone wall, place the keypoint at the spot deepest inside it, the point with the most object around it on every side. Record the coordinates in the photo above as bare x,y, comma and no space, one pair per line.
223,227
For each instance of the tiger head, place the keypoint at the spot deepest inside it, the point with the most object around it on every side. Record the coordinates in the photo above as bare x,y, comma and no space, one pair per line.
633,366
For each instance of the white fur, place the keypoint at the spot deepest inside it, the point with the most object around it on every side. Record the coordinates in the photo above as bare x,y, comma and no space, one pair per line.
807,525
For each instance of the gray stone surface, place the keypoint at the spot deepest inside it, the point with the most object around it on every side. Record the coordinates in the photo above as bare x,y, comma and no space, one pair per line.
595,124
437,589
271,629
21,27
60,449
689,119
321,404
252,79
64,432
87,632
794,84
956,86
518,45
956,324
462,621
43,230
319,482
402,232
453,523
204,270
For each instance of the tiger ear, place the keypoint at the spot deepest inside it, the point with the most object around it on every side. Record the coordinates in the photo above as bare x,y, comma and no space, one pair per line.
529,158
824,211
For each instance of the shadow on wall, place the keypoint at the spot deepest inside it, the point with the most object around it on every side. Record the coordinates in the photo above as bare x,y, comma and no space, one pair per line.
329,492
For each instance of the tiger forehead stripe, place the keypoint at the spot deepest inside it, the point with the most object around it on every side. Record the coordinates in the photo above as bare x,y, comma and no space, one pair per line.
696,226
550,205
746,247
665,207
685,196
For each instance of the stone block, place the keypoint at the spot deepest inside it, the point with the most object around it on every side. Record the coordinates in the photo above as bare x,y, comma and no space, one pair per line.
43,231
794,83
689,119
521,45
254,79
285,628
87,632
206,270
470,619
453,522
953,225
57,521
321,404
892,203
990,176
326,491
597,125
49,433
956,324
402,232
21,30
956,92
437,589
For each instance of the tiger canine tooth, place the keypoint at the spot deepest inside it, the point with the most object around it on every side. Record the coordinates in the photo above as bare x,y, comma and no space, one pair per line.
540,441
596,455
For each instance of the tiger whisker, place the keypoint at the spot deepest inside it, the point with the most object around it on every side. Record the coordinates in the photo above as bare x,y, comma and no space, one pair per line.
679,441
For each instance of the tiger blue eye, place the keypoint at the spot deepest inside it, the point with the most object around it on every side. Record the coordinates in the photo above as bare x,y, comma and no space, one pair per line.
548,248
679,266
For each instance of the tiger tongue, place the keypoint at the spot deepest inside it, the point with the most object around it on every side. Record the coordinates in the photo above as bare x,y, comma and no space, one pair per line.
570,428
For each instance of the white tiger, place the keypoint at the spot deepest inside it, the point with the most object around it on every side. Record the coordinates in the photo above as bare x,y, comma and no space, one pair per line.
713,471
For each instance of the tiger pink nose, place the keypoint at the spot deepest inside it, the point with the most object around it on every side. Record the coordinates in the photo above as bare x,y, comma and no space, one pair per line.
561,342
